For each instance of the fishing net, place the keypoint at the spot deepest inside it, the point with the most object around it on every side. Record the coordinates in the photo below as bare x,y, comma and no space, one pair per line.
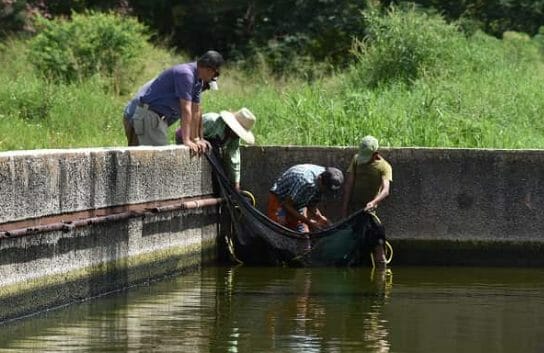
258,240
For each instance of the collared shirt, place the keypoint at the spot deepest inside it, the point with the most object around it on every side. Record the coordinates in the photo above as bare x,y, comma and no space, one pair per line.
130,108
214,128
165,91
300,183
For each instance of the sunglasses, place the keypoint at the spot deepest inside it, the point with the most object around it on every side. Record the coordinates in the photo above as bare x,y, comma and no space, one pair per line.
216,72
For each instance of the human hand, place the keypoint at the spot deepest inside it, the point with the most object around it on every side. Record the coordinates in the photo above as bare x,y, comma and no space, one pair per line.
314,224
193,147
204,145
321,220
324,221
371,206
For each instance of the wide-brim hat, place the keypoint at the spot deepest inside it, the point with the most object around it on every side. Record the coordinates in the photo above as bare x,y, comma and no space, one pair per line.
241,123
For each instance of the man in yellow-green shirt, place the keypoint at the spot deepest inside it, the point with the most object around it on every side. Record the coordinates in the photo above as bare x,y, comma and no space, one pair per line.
368,180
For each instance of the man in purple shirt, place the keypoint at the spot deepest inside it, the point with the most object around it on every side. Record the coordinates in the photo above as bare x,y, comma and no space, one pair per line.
173,95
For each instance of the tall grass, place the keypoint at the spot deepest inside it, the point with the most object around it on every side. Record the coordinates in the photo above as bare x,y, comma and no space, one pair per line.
482,92
37,113
491,95
474,91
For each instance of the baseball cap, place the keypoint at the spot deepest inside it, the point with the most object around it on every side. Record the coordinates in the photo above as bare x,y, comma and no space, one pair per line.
369,145
332,179
212,59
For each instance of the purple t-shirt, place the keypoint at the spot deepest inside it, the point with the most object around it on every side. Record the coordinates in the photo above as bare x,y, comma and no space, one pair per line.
178,82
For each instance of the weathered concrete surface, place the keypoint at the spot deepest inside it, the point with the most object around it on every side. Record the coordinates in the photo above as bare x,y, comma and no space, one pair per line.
49,182
54,268
436,194
448,206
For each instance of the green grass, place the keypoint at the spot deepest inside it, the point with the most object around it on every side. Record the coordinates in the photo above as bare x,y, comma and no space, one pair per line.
41,114
484,93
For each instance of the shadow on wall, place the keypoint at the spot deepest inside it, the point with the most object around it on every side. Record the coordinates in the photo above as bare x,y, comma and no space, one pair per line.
464,194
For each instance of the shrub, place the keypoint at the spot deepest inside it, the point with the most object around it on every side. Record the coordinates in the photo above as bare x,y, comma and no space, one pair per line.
89,44
402,45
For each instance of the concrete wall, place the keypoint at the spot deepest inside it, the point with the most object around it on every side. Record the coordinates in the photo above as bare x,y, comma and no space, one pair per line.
49,268
452,198
54,268
48,182
448,206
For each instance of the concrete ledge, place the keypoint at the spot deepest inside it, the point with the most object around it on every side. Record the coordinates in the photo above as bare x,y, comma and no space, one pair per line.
447,207
49,182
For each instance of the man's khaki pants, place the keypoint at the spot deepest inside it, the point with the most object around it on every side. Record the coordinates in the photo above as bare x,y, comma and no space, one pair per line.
147,128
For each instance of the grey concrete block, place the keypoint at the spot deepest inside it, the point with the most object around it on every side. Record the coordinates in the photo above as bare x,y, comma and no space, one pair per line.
50,182
48,269
457,194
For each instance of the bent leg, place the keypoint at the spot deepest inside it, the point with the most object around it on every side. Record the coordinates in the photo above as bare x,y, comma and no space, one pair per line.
277,213
150,128
132,138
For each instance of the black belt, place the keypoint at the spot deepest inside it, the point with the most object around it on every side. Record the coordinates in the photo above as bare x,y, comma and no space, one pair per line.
147,107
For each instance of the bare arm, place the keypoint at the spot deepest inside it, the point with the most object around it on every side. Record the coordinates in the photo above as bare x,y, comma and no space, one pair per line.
292,211
384,192
186,122
198,129
348,187
196,124
315,214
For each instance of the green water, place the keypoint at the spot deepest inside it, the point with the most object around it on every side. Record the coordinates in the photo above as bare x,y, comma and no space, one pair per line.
302,310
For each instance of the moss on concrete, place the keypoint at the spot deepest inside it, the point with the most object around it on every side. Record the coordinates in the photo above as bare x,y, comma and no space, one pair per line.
43,293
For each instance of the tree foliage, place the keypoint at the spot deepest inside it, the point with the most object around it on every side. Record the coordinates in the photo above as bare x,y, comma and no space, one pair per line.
284,34
281,30
88,44
492,16
403,45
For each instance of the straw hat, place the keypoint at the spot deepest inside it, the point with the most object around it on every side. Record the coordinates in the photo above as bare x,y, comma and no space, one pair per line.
241,123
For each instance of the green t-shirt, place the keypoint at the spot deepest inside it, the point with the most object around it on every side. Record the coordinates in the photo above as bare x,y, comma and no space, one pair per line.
214,127
367,180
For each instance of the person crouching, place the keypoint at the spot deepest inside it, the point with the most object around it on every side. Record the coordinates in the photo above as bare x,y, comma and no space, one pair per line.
224,131
294,197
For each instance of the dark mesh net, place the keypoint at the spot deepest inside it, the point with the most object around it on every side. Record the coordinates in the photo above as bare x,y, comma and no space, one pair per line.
258,240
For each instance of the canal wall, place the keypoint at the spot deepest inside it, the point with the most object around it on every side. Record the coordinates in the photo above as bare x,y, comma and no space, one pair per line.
447,206
84,222
41,183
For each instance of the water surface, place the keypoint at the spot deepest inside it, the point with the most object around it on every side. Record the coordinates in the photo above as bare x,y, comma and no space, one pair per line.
246,309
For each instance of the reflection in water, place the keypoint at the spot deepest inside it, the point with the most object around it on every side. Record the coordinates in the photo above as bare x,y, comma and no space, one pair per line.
165,316
375,326
246,309
309,310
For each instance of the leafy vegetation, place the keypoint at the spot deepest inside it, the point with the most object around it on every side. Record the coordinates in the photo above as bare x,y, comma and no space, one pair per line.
285,35
403,46
416,80
89,44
